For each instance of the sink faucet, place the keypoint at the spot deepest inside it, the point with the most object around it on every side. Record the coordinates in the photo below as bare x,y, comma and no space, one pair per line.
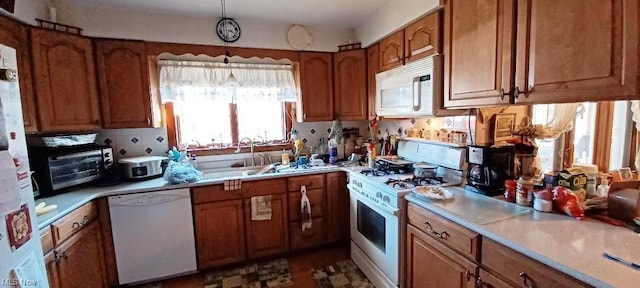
253,161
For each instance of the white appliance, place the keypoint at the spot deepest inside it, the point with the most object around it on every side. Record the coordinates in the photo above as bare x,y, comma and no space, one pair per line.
412,90
152,235
376,203
26,260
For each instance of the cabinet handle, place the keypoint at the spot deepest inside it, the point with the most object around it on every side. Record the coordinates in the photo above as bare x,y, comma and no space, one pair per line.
525,279
148,121
57,257
304,116
502,93
441,235
479,283
77,225
469,275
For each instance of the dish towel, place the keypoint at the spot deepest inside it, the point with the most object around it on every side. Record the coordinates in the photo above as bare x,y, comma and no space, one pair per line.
261,208
305,209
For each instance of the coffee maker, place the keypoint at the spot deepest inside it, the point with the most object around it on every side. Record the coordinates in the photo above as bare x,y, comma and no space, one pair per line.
488,168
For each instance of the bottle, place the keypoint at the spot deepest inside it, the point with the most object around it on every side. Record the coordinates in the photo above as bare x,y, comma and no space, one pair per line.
603,188
524,191
285,158
194,162
333,152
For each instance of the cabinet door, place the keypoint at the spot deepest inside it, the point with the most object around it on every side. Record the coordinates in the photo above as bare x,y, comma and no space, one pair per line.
123,75
488,280
52,269
337,207
350,78
577,50
373,68
478,48
316,85
431,264
66,87
268,237
392,51
219,233
16,35
82,259
422,38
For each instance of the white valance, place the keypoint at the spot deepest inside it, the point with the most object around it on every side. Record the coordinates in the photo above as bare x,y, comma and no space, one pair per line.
179,79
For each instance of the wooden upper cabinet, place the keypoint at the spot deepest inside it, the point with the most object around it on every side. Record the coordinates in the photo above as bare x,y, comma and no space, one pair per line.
478,48
316,85
373,68
350,80
123,76
422,38
16,35
67,97
577,50
392,51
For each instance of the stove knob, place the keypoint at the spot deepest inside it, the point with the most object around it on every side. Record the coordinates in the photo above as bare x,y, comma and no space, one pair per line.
378,194
386,199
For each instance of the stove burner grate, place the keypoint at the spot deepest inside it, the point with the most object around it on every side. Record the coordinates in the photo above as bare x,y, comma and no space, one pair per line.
413,182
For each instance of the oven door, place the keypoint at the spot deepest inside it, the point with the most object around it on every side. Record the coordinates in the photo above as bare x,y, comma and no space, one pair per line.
375,230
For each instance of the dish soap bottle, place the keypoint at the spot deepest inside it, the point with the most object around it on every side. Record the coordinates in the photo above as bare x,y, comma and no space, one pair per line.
603,188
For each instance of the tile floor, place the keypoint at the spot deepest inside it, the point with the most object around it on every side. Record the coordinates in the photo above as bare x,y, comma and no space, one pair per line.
300,265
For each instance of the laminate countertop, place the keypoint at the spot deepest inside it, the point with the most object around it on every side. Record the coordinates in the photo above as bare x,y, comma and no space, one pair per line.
70,201
568,245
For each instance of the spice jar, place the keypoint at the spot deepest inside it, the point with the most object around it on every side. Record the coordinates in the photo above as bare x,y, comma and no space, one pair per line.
524,191
510,190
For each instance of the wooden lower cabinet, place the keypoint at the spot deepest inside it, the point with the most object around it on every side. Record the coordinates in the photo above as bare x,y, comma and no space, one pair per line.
337,207
312,237
431,264
488,280
268,237
78,261
219,228
50,265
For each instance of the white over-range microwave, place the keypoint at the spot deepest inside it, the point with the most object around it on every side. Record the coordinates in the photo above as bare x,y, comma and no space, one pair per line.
412,90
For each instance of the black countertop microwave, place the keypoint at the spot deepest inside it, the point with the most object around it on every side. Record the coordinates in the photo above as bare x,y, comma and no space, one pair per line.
56,169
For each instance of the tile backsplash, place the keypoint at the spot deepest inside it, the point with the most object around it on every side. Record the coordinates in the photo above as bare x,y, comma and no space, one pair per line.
313,131
401,127
135,142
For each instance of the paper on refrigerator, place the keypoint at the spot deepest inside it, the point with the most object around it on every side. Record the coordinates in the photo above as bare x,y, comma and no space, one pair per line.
9,188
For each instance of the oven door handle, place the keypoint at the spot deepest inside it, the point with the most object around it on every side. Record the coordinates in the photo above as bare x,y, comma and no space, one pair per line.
386,210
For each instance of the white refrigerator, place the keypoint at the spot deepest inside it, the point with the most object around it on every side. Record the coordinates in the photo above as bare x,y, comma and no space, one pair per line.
21,259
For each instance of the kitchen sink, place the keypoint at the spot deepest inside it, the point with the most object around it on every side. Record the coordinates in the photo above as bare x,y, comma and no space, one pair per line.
234,172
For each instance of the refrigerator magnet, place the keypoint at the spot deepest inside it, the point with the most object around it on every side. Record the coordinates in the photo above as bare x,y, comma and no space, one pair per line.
19,227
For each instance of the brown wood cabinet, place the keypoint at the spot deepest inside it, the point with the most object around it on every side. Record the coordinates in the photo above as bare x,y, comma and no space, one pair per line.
268,237
16,35
220,236
66,90
576,50
224,230
373,68
392,51
338,207
316,87
123,77
316,192
350,83
478,49
422,38
431,264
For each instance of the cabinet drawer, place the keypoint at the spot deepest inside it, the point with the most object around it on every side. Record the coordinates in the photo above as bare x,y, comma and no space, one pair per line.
214,193
264,187
316,197
456,237
516,268
73,222
310,237
46,239
311,181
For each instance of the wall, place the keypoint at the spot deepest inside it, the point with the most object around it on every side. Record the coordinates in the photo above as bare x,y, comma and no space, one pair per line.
391,17
182,29
135,142
28,10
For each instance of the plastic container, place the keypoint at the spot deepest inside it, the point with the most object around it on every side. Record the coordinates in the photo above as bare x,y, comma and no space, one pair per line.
285,158
333,152
510,190
542,205
524,191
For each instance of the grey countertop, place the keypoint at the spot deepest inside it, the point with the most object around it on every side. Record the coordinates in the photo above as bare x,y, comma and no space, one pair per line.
557,240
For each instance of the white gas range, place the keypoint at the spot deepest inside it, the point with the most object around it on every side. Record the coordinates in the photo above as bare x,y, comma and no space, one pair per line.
377,205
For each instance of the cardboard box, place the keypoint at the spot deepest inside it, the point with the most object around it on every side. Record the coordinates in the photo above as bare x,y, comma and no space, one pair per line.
575,180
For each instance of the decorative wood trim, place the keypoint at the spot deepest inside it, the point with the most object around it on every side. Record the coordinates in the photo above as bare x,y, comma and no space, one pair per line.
233,115
172,127
154,89
602,143
289,114
635,145
157,48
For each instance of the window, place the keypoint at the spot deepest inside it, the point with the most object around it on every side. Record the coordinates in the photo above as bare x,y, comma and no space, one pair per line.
592,121
215,114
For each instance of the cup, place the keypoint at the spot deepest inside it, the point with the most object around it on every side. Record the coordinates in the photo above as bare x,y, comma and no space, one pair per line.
302,160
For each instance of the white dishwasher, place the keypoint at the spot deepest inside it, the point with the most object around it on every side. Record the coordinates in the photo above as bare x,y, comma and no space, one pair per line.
152,235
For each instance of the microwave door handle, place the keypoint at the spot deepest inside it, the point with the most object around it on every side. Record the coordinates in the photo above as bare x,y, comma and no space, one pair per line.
416,93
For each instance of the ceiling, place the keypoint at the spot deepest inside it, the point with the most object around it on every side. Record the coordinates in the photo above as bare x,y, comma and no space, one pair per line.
345,14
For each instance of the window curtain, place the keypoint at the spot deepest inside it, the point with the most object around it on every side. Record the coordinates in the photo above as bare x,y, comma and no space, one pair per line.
208,80
635,109
559,119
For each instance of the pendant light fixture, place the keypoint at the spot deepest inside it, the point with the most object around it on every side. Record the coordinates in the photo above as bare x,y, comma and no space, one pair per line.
231,79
